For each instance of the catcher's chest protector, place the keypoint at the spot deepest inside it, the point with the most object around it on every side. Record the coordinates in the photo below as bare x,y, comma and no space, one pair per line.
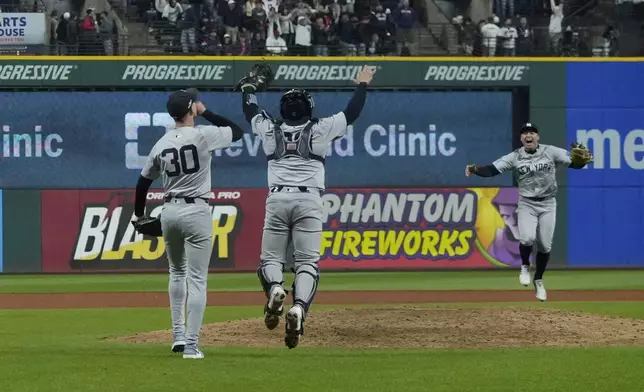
294,143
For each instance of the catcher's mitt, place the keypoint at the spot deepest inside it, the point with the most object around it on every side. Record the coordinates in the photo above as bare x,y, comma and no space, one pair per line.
259,77
580,154
148,226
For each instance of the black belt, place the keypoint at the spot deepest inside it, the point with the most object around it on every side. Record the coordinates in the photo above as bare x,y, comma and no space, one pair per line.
189,200
279,188
538,198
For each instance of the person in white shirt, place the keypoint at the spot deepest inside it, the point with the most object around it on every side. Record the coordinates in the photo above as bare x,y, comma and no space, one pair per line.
508,36
276,45
172,11
303,36
490,33
554,29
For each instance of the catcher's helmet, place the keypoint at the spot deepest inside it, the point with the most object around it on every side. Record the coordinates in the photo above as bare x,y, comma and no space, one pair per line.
529,127
296,104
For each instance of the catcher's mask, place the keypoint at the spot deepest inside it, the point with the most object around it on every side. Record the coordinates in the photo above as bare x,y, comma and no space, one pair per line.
296,104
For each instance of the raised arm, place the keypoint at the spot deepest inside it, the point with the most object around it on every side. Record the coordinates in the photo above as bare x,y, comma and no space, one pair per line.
220,121
249,101
505,163
356,103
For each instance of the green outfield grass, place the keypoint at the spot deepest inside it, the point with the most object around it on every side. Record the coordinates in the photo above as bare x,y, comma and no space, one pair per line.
433,280
65,350
69,350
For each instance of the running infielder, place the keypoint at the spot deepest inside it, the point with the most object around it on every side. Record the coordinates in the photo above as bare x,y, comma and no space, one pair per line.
534,166
182,159
295,146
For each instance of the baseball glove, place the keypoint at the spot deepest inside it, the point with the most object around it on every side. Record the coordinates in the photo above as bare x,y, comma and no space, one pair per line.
580,154
259,77
148,226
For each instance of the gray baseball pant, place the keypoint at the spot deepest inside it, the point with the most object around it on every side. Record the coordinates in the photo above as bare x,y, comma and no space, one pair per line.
537,221
292,215
187,231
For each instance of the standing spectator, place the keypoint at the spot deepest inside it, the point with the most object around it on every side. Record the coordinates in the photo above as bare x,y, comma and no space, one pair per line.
159,6
490,33
347,36
257,45
276,45
106,31
321,37
259,16
405,18
302,9
173,13
287,30
88,34
508,34
336,12
303,36
478,50
53,33
233,18
73,32
380,21
188,30
197,6
555,28
349,6
469,35
525,40
61,34
504,8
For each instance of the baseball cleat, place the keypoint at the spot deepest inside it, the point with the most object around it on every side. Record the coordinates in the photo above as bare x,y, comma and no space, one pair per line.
178,346
192,353
524,275
540,290
294,326
274,307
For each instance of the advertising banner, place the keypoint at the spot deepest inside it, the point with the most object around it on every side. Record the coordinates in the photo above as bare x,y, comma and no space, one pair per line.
363,229
21,28
99,140
216,72
605,198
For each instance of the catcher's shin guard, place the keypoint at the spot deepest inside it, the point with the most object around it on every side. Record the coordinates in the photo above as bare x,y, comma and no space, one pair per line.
270,273
305,285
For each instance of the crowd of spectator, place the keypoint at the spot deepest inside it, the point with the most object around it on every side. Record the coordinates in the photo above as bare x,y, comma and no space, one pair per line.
279,27
512,35
94,34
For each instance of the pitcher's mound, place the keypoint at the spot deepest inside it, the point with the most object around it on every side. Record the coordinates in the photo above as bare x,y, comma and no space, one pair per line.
407,327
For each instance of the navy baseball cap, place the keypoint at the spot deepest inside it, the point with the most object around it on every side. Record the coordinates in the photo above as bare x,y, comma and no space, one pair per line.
180,102
529,127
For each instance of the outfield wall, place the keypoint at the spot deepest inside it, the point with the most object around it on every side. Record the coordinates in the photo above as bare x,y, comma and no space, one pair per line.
69,168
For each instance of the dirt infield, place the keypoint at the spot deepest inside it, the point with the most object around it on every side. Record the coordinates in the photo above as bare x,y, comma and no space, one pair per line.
410,327
142,300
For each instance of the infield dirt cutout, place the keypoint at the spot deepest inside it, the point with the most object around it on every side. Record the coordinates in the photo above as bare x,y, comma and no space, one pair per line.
418,327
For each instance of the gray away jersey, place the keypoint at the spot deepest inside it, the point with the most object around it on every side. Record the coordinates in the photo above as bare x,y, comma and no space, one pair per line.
535,173
182,158
297,171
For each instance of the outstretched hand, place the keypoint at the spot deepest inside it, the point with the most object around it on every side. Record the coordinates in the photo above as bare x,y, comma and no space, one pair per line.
365,75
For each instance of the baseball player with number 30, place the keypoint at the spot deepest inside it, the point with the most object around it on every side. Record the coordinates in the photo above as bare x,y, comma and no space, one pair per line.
182,159
295,146
534,166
